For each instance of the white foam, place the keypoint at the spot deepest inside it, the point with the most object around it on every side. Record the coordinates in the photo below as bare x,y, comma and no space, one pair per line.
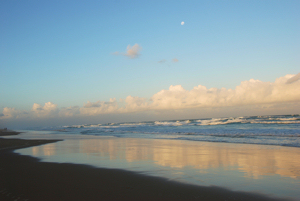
133,124
167,123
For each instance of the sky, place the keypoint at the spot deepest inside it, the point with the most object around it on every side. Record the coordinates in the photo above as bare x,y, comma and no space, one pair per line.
69,62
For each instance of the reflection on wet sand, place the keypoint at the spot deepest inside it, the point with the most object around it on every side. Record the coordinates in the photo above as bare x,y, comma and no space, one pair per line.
46,150
253,160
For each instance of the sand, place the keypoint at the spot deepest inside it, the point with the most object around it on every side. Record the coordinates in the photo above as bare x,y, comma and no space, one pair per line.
4,132
26,178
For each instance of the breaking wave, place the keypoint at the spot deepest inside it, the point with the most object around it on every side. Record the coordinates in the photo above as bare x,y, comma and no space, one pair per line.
281,130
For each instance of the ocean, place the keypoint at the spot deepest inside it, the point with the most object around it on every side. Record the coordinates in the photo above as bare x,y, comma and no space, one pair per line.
282,130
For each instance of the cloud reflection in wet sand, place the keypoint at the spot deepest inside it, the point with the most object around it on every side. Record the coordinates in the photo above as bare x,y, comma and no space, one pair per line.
271,170
253,160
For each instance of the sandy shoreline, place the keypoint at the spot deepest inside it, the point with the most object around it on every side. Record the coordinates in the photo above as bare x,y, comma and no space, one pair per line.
24,177
8,132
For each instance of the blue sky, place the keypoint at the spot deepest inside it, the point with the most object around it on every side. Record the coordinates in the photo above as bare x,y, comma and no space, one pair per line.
62,51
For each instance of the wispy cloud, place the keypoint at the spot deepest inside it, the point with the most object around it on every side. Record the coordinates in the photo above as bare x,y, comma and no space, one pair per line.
281,93
69,111
162,61
131,51
175,60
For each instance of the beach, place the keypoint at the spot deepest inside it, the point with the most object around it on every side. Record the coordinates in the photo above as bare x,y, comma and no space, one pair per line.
150,100
5,132
25,177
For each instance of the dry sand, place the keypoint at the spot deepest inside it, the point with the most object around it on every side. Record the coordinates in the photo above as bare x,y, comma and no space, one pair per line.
26,178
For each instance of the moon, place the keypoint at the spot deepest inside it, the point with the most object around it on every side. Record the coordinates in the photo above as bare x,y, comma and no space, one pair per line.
182,23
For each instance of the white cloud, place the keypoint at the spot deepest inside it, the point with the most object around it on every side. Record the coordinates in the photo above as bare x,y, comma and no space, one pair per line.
134,104
9,113
48,110
132,51
293,79
99,107
283,94
37,111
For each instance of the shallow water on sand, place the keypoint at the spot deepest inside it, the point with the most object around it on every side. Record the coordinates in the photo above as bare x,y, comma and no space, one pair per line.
271,170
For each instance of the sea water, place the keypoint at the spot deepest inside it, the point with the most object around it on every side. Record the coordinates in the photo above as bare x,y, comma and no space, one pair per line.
283,130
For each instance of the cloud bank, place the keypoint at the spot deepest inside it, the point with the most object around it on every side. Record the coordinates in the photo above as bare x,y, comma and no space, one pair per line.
283,93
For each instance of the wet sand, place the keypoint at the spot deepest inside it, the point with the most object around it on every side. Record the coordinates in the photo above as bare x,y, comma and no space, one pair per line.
26,178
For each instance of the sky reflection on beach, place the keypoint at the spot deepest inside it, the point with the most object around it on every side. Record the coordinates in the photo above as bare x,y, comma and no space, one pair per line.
272,170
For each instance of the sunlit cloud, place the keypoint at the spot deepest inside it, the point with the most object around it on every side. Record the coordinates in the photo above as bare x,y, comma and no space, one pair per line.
11,113
247,93
293,79
48,110
282,93
131,51
134,51
99,107
134,104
